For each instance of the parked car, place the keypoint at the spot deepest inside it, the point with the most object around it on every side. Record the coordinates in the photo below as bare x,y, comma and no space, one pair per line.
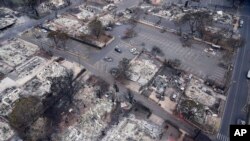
118,50
241,23
108,59
132,50
173,97
248,74
241,122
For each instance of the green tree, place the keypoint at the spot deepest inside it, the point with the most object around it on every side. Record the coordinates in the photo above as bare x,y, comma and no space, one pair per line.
129,33
59,38
123,67
157,51
24,112
96,27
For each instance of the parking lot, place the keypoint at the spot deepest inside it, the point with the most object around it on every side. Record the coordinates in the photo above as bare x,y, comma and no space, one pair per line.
194,59
106,66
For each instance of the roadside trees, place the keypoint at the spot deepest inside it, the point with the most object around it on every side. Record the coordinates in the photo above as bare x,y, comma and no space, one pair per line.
196,21
173,63
26,109
59,38
96,27
123,67
100,85
157,51
32,4
129,33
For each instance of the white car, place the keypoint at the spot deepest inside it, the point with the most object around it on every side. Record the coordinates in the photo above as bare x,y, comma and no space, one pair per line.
132,50
108,59
241,122
241,23
248,74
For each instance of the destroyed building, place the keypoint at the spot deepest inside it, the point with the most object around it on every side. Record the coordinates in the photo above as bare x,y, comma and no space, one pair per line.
174,12
7,18
201,105
29,67
51,5
76,21
141,71
8,98
16,51
39,86
107,20
130,128
93,121
6,132
198,91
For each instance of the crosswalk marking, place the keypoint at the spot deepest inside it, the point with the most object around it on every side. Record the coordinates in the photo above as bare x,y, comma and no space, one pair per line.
221,137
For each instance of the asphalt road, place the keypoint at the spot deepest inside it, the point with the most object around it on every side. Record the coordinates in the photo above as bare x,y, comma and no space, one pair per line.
238,91
71,55
156,109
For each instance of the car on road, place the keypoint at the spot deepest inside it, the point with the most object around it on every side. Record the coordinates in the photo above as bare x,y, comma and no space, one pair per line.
248,74
132,50
118,50
108,59
241,22
241,122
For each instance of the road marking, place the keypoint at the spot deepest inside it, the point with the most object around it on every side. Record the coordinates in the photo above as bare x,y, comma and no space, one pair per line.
188,55
245,109
222,137
237,89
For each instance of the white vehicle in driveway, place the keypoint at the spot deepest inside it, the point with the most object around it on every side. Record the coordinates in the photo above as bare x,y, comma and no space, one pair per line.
248,74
